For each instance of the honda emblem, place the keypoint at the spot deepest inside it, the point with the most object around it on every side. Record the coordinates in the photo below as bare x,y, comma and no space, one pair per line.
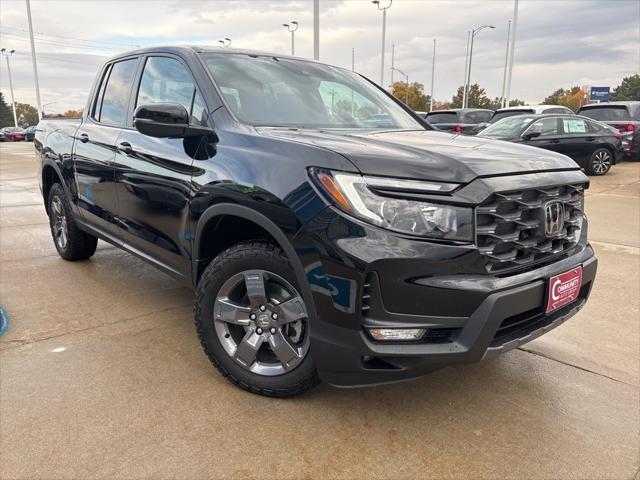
553,218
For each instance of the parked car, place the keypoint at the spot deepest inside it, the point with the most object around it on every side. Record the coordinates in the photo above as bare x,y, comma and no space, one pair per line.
624,116
507,112
13,134
3,136
458,120
594,146
322,243
30,133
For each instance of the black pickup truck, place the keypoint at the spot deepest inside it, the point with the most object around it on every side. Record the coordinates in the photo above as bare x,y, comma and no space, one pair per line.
322,242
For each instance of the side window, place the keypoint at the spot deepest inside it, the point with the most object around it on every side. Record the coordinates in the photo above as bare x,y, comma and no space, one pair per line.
166,80
115,99
95,112
545,126
575,126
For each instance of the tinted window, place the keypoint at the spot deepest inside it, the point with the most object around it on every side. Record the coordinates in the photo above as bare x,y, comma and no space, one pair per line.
508,113
574,126
477,117
444,117
607,114
116,94
98,105
165,80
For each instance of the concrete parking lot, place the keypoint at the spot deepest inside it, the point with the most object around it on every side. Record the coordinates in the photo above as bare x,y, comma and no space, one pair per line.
102,376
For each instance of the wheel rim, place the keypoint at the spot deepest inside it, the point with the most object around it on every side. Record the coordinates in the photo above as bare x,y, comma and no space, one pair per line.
601,161
261,322
59,223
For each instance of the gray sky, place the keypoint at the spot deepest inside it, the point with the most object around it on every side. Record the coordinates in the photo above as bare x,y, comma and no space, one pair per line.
559,43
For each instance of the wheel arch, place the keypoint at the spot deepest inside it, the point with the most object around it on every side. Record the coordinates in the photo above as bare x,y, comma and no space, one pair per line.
50,175
261,224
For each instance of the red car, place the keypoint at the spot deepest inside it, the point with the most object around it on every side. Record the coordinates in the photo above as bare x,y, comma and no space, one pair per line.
13,134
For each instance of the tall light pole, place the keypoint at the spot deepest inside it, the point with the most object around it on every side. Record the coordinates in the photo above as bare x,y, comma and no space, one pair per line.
433,74
504,75
513,52
225,42
466,68
474,32
6,55
384,32
393,62
353,59
292,27
406,79
33,58
316,30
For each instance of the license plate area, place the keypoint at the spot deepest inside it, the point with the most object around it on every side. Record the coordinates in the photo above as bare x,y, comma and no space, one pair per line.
563,289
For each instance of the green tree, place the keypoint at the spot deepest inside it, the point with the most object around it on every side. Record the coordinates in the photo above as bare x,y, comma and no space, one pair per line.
6,115
572,98
477,98
417,100
629,89
497,103
27,114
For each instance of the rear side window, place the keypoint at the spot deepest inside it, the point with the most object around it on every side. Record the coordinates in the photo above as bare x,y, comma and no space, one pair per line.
545,127
115,98
607,114
166,80
574,126
477,117
444,117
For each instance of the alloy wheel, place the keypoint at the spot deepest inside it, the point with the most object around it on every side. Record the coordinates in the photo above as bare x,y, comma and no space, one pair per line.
59,223
601,162
261,322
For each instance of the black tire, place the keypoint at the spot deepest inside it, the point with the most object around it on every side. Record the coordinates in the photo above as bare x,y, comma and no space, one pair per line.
78,245
251,255
600,162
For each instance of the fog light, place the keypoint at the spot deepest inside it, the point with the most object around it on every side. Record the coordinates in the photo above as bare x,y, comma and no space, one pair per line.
391,334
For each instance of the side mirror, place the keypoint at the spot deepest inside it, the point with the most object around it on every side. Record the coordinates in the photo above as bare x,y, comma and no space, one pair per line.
529,136
166,120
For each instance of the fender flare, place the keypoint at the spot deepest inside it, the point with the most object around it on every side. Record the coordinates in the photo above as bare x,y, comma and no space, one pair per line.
230,209
48,162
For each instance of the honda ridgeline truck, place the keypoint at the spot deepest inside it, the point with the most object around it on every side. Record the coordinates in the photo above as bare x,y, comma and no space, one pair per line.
328,232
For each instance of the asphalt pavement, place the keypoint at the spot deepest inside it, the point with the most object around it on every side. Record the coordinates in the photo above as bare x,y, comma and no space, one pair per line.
102,376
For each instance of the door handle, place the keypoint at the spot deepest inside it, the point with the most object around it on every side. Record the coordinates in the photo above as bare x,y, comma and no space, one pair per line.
590,139
83,137
125,147
556,141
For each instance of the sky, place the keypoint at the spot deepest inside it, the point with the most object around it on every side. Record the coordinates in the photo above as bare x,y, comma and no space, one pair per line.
559,43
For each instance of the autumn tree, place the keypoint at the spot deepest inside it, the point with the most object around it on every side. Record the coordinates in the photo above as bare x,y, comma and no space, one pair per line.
6,115
417,99
476,98
629,89
27,114
73,113
572,98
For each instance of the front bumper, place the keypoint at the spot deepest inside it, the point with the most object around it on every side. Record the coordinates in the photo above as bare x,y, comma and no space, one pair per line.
364,277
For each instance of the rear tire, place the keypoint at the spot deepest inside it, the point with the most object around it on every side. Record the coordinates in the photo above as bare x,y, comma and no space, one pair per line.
261,350
70,242
600,162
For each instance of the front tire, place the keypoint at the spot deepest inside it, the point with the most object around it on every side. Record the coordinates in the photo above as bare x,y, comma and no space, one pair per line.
600,162
252,322
70,242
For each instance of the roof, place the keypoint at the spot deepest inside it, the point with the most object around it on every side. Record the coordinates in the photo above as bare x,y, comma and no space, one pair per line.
530,107
456,110
625,103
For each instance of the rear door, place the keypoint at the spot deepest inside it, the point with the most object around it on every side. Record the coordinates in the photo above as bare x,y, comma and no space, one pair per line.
94,146
550,135
578,139
153,175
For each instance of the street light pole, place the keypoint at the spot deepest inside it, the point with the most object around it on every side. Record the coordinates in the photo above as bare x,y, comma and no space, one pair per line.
393,62
225,42
473,35
466,67
504,75
13,102
33,58
316,30
384,32
513,46
433,74
406,92
292,27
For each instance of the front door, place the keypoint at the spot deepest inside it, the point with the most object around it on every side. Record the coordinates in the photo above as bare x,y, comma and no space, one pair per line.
153,175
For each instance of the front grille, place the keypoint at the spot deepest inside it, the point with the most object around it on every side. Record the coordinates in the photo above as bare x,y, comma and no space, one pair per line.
510,230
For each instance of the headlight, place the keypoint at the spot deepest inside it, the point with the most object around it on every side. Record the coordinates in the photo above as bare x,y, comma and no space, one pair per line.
358,196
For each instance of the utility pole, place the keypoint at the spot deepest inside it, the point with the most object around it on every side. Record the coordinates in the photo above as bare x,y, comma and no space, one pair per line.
316,30
33,57
353,59
13,101
466,67
384,32
504,75
292,27
393,56
433,74
513,52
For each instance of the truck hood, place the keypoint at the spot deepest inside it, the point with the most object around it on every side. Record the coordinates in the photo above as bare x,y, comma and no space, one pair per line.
428,155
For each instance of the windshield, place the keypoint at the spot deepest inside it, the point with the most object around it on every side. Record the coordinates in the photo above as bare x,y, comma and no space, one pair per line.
507,113
607,114
273,91
444,117
507,127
